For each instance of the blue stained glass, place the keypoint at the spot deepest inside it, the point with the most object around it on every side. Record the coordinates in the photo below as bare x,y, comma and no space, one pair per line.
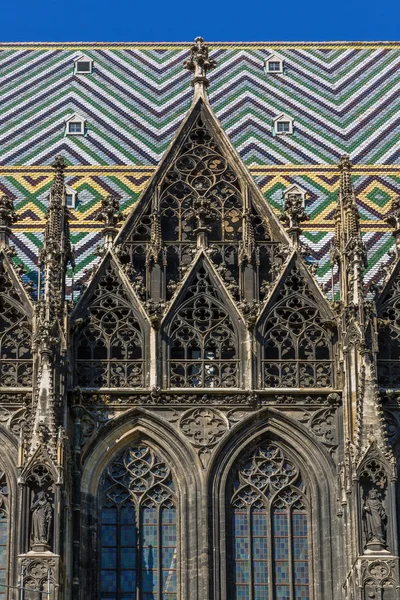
242,592
260,572
150,596
127,581
300,548
3,554
168,557
109,535
127,558
149,515
301,573
149,558
301,593
280,523
299,525
149,581
149,535
128,535
108,581
241,548
281,548
109,515
2,576
3,533
242,572
259,523
260,549
170,597
109,558
168,516
281,572
240,524
127,515
169,581
261,592
168,533
282,593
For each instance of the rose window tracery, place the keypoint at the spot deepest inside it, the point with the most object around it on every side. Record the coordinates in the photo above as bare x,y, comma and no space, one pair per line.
15,337
109,347
138,527
203,350
269,528
297,351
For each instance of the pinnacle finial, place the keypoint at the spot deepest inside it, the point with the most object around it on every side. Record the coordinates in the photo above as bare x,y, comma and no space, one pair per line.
7,218
393,218
293,215
59,164
345,163
199,64
109,215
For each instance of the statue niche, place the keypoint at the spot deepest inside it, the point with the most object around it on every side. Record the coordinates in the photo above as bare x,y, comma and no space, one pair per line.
42,517
375,519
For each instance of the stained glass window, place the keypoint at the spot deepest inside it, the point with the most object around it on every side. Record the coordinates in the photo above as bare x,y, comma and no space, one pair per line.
138,528
269,529
3,534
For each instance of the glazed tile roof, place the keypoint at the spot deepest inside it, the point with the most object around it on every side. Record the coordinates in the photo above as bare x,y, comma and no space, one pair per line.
343,97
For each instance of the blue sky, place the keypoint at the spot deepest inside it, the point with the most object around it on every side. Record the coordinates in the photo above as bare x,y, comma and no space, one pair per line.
215,20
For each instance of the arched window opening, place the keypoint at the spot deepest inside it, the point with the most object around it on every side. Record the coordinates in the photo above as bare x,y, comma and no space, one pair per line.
389,338
203,349
138,528
297,352
109,346
270,537
3,534
15,337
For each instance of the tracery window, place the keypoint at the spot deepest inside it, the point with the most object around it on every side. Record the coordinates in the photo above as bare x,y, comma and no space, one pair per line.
3,534
15,337
109,347
297,351
389,339
138,528
270,533
200,172
202,343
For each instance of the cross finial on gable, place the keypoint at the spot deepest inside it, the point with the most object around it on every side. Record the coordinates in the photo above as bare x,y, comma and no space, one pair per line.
199,63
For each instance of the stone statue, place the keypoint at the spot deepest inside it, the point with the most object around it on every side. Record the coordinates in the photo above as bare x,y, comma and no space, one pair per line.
375,518
42,515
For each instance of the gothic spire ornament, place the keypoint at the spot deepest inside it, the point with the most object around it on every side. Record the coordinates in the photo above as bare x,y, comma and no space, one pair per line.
7,218
293,215
110,216
393,219
199,64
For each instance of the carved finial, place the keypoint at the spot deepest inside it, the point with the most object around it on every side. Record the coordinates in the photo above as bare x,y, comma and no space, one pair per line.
110,216
199,63
293,214
393,219
7,218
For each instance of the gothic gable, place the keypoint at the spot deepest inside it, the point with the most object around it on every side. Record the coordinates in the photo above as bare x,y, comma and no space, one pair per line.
15,329
388,311
202,333
294,337
110,338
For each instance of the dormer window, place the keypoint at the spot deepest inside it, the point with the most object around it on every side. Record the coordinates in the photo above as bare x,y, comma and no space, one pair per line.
273,64
75,125
296,191
83,65
71,196
283,125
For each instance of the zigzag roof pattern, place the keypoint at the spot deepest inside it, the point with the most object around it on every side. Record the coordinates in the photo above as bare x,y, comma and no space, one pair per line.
343,99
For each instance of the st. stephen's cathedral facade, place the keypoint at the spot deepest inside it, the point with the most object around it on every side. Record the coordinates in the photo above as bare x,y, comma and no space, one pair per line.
202,422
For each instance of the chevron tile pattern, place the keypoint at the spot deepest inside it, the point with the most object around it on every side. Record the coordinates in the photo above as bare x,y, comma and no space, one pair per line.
343,98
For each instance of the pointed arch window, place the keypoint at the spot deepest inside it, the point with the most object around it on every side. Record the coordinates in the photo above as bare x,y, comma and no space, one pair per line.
202,342
15,337
270,532
4,524
109,346
296,350
389,338
138,528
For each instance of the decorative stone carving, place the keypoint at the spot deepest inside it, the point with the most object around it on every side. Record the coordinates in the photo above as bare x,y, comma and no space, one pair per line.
110,216
204,427
199,62
374,517
42,516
